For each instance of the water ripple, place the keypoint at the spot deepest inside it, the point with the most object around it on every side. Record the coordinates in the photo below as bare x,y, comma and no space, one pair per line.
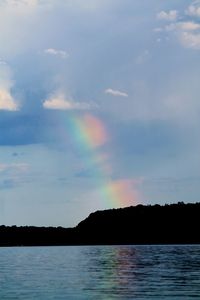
101,272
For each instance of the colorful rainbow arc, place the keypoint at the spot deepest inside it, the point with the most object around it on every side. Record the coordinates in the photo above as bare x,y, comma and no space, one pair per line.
89,135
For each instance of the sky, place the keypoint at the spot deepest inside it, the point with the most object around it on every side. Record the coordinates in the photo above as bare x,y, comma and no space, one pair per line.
99,107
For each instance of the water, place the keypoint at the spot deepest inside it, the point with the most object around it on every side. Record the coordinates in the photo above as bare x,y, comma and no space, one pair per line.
103,272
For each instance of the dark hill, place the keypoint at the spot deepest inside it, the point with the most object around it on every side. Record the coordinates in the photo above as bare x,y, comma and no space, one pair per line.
169,224
175,223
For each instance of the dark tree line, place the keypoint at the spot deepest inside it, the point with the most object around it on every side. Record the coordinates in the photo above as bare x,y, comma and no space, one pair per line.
169,224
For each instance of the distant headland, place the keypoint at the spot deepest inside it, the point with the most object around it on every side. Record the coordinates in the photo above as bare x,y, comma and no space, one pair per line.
153,224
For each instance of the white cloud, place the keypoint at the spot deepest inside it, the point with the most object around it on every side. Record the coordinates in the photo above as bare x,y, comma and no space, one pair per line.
186,32
190,40
7,102
116,93
194,9
184,26
172,15
61,53
59,102
188,26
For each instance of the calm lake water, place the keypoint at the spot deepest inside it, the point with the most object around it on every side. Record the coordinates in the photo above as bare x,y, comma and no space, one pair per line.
103,272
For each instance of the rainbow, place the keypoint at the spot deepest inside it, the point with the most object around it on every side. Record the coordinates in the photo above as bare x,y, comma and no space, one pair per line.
89,136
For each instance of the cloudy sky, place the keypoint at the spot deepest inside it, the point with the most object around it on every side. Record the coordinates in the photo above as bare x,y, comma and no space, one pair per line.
99,107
